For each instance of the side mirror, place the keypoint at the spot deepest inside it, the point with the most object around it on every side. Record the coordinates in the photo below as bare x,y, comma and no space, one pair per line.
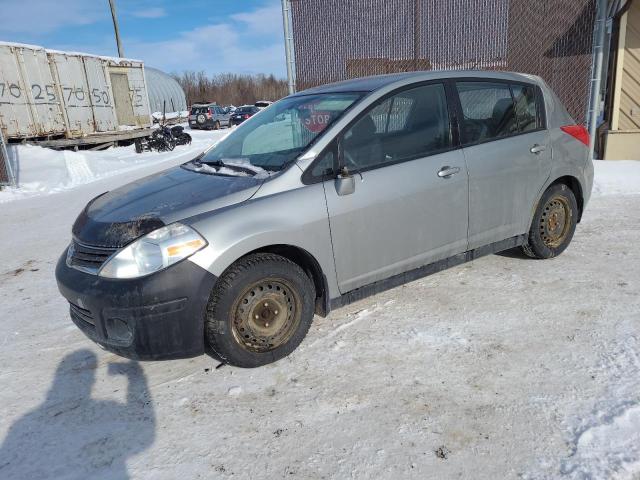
345,183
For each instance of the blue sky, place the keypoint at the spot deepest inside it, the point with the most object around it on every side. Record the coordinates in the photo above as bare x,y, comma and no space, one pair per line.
238,36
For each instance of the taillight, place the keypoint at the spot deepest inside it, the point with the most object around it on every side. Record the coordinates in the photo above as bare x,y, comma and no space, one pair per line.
210,113
246,115
579,132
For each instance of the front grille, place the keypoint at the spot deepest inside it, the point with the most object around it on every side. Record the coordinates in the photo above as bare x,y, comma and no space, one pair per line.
81,314
87,257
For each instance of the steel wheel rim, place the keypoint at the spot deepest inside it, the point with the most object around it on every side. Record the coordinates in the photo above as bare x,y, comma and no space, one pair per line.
266,315
555,221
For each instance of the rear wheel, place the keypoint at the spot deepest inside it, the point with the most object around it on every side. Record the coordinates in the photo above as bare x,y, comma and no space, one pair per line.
259,311
554,223
216,126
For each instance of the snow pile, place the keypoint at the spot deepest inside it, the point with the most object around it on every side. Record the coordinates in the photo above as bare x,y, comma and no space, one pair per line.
605,442
43,171
158,116
616,177
608,448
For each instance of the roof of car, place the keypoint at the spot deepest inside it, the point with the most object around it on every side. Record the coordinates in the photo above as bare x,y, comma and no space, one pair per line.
376,82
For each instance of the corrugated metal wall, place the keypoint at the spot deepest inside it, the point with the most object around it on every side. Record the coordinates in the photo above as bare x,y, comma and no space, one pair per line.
162,88
338,39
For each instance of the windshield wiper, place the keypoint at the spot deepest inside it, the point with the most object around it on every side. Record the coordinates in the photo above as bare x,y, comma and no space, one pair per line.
220,164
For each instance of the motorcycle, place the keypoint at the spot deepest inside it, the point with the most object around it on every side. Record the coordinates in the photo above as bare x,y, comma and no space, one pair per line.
181,137
164,139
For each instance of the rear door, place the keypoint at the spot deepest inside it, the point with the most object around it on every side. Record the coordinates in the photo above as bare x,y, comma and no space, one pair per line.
122,98
410,204
508,156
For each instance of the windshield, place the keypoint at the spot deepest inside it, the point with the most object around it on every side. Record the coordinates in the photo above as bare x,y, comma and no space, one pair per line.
276,136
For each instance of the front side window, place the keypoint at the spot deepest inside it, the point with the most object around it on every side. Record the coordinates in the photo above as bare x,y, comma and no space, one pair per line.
411,124
487,111
276,136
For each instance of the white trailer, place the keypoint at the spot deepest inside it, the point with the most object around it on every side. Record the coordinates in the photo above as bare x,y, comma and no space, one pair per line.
60,98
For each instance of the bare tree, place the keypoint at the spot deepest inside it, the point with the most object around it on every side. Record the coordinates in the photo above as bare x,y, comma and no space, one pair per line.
230,88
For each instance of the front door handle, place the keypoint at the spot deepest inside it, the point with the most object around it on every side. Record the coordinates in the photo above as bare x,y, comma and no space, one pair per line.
536,149
446,172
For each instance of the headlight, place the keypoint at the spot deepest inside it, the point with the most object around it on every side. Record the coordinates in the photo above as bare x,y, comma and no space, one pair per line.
156,250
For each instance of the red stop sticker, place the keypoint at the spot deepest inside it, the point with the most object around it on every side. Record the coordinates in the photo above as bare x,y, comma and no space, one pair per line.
315,120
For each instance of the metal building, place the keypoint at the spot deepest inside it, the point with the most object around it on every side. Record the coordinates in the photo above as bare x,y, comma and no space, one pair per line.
163,88
550,38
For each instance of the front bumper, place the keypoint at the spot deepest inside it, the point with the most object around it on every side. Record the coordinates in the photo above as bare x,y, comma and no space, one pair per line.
157,317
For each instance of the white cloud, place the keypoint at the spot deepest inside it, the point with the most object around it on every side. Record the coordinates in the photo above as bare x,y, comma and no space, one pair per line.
251,42
153,12
265,20
44,16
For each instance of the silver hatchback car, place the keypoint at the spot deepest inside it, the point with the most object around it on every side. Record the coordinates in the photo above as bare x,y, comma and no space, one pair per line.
324,198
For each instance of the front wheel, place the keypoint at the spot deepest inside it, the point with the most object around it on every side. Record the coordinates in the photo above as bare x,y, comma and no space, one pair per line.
554,223
259,311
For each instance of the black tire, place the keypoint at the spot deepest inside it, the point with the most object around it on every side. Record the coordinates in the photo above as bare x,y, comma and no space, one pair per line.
554,223
138,144
236,324
216,126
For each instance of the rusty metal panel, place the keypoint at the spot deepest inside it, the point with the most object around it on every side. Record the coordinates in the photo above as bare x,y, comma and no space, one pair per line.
16,118
100,94
133,72
139,95
550,38
70,76
40,91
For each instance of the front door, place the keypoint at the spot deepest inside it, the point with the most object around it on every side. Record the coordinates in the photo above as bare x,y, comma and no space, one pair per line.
410,204
508,157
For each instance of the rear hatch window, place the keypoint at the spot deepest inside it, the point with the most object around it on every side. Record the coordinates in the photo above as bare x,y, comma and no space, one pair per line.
197,110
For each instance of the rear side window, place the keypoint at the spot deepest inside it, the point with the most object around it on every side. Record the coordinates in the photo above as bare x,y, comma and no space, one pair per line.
411,124
487,111
524,97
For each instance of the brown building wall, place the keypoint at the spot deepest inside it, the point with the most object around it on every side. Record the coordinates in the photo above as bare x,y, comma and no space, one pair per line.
339,39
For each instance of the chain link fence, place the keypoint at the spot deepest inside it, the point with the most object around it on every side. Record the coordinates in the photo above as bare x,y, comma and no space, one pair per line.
339,39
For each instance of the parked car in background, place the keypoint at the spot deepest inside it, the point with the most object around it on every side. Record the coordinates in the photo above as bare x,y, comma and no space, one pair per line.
243,113
328,196
208,116
262,104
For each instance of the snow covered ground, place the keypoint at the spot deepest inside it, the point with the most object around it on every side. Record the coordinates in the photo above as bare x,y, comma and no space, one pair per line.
42,171
501,368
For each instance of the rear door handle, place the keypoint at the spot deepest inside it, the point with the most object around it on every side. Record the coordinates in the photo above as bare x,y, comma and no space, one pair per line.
536,149
446,172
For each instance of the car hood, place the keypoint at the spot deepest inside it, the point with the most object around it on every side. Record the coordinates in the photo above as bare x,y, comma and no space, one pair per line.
118,217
